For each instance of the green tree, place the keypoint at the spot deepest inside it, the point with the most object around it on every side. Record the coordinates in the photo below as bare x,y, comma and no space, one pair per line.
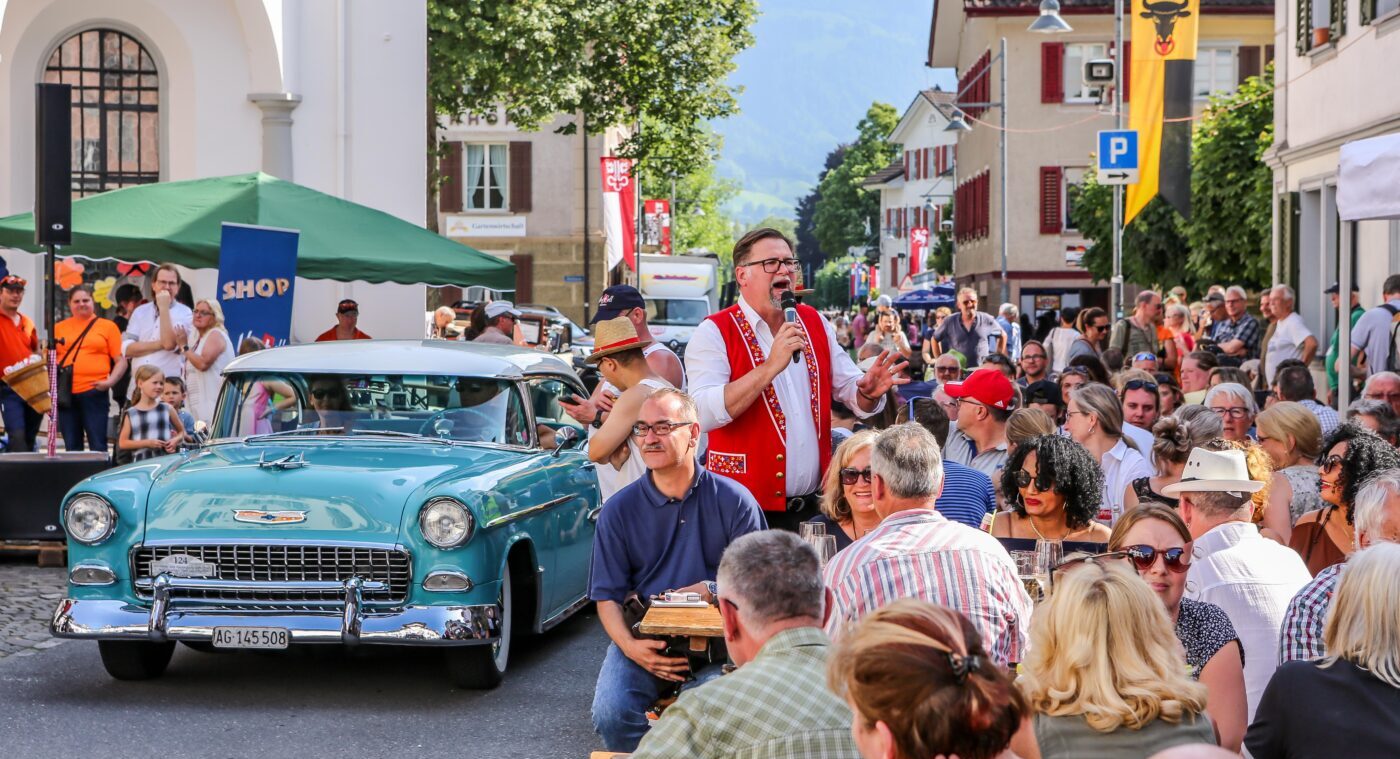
833,286
1232,188
1154,249
781,223
846,213
698,220
661,63
940,249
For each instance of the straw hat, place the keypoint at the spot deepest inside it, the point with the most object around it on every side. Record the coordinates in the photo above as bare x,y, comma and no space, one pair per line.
614,336
1214,472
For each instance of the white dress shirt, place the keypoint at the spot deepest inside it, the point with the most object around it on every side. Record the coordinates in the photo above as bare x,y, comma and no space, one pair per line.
144,326
1141,438
707,371
1121,465
1253,579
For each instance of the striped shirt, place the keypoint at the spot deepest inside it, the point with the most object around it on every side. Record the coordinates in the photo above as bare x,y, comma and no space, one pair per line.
920,554
1301,636
967,495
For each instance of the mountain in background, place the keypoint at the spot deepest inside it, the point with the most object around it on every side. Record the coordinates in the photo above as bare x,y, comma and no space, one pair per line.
814,69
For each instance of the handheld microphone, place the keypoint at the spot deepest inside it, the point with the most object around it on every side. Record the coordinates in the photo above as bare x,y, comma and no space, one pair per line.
789,304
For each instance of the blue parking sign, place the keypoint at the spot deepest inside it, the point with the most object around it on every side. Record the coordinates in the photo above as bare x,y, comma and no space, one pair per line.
1118,156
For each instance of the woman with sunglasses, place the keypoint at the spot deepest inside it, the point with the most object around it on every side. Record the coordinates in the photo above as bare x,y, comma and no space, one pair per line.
847,506
1053,489
1156,543
1105,675
1094,418
1350,454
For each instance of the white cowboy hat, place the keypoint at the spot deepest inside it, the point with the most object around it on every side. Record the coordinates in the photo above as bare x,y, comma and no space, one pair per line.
1214,471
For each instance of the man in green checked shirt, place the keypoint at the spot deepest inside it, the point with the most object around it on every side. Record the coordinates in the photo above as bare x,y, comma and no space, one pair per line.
776,705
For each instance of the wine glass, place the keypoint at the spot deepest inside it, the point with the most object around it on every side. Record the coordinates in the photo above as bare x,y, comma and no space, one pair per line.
825,546
809,530
1048,555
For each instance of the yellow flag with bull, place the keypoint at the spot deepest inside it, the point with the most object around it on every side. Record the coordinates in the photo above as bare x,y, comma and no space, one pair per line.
1162,77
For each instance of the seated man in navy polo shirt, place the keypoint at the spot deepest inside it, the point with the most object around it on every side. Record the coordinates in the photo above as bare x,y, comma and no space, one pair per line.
665,531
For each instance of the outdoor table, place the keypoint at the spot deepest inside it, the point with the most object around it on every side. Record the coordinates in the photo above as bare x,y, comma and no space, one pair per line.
693,622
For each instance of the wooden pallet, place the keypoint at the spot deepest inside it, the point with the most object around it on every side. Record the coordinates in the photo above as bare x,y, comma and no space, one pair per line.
47,553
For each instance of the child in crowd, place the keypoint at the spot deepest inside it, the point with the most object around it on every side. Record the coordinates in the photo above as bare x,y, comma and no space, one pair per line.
150,427
174,396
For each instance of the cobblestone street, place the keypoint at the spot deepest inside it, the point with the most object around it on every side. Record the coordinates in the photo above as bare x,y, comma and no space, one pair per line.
28,595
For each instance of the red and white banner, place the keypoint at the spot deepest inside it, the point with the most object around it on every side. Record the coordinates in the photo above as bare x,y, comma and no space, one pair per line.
620,211
656,225
918,249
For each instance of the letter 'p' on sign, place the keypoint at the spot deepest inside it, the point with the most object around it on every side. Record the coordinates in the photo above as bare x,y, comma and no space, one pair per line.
1118,156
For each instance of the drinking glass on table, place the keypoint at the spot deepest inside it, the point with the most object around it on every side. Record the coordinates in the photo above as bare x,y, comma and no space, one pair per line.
825,546
808,530
1048,555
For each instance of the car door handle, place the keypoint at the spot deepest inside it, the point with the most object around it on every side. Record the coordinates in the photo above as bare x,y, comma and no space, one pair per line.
593,514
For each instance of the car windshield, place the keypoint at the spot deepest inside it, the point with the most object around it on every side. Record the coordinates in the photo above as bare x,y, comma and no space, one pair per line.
467,409
675,312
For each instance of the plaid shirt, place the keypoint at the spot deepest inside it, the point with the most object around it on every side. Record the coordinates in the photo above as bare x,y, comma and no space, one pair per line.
775,707
920,554
1246,329
1301,635
1326,416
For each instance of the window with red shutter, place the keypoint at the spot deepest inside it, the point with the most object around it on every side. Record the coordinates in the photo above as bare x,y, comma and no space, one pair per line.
450,169
1127,69
927,169
906,165
1052,72
1050,200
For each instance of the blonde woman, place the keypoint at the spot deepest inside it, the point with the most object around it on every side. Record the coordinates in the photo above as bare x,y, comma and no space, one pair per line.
1105,676
848,508
209,352
1026,424
1348,702
1094,418
920,685
1292,437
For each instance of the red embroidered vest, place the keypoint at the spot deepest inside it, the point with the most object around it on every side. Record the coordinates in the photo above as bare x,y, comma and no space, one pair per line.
752,448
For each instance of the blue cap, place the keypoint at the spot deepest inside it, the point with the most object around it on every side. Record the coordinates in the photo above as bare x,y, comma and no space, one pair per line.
617,300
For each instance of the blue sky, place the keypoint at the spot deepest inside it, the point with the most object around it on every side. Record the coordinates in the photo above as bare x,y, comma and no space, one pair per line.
814,69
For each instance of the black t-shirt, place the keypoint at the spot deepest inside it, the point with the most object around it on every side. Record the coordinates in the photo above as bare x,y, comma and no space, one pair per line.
1312,711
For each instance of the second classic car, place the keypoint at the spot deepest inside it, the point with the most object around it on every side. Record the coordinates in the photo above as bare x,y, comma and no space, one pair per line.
368,492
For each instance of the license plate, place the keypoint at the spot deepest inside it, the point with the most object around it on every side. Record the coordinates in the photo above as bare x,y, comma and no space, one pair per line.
250,637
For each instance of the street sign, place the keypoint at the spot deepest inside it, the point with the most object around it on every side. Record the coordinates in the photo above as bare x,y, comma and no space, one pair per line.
573,278
1118,156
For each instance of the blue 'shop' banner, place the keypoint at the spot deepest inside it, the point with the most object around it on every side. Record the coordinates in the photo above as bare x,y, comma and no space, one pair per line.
257,276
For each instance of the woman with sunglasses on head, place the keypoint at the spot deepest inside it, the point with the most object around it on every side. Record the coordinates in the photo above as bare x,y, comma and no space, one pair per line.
1053,488
847,506
1292,437
1094,366
1156,543
1094,418
1349,455
1105,677
1173,437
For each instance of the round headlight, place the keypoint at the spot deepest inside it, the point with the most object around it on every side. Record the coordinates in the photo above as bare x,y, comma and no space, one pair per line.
90,519
445,522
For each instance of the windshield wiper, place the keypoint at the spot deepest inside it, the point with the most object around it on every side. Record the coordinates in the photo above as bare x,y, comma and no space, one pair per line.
397,433
292,433
341,433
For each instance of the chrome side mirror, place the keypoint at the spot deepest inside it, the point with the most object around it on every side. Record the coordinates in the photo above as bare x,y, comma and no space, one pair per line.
564,437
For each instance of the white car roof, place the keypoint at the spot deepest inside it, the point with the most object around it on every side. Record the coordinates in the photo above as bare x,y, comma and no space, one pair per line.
432,357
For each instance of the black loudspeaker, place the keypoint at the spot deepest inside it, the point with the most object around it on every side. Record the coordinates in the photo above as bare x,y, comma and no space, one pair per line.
53,167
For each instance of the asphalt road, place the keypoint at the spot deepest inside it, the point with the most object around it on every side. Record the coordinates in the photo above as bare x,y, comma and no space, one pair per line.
307,703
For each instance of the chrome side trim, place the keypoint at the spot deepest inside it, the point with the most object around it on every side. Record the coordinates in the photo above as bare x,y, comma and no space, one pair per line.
511,517
568,611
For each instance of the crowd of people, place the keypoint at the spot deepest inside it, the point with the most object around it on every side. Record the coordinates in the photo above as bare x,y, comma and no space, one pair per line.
1219,568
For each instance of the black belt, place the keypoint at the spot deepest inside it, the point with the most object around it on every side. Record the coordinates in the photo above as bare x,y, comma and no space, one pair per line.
800,502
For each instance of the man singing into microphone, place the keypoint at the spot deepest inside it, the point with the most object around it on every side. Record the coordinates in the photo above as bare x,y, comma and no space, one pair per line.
764,383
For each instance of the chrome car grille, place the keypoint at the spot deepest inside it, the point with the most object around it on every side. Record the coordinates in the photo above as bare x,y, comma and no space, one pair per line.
285,563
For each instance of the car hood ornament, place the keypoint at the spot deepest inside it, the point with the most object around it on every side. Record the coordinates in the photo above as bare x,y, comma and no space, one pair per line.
258,516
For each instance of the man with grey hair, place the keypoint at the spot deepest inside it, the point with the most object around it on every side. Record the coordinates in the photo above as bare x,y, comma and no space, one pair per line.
1236,335
1290,337
1383,386
1247,575
1009,319
916,552
1377,515
776,704
1138,333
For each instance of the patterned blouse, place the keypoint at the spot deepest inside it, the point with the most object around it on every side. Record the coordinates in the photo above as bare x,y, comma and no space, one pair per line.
1304,480
1203,629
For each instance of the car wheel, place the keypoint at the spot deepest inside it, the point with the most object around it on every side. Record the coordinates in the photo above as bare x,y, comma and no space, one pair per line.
135,660
483,667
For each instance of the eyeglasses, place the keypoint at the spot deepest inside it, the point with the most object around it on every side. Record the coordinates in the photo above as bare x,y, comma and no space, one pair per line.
772,265
198,312
849,475
1329,464
1144,556
1024,479
322,393
661,428
1145,356
1233,412
946,370
1032,356
1138,384
1077,371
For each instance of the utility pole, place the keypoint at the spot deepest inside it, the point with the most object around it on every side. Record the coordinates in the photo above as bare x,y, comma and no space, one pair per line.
1116,290
1005,212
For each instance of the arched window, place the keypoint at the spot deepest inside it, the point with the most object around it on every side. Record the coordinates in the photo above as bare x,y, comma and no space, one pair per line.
116,109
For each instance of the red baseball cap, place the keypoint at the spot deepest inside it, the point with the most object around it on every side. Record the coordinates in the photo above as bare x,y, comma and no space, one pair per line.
987,386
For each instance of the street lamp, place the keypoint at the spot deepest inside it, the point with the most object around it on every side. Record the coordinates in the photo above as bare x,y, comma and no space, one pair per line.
1049,22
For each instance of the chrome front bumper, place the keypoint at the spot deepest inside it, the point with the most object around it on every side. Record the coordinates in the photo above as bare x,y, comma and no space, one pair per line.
166,619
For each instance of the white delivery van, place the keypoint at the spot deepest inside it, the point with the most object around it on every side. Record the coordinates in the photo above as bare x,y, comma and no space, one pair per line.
680,291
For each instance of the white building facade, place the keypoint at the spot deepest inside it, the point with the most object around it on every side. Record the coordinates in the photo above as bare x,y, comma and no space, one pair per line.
327,93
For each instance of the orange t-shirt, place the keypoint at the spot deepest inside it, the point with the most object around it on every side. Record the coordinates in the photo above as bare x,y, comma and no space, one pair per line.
100,349
329,335
17,341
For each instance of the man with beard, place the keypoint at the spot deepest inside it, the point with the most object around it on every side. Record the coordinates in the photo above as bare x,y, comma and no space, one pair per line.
764,385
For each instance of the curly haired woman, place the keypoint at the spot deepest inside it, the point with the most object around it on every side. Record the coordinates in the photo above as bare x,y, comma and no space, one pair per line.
1350,454
1053,488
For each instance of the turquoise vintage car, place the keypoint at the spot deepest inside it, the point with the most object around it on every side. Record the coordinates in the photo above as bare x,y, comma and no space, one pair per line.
368,492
